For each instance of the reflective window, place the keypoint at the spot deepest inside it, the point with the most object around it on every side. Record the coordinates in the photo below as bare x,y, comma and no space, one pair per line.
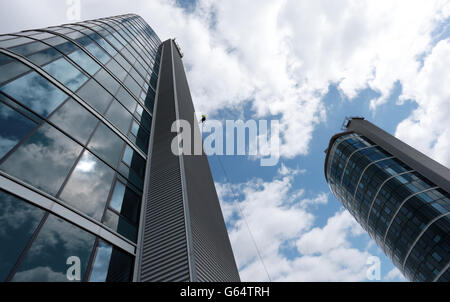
133,86
119,117
98,53
43,57
29,48
117,70
11,70
107,81
95,95
44,160
125,202
75,120
13,128
66,73
107,145
57,241
120,225
18,222
128,155
36,93
89,185
135,128
101,263
84,61
126,99
14,42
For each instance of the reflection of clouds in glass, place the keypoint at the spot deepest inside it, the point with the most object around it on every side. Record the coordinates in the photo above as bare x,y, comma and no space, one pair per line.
89,185
107,145
66,73
34,91
75,120
40,274
101,264
6,145
85,166
14,213
56,242
57,233
44,160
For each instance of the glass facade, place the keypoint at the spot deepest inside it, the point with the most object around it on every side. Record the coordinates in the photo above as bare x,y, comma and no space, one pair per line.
406,214
76,109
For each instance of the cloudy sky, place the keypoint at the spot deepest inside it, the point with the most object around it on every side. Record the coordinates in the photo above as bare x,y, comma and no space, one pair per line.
308,64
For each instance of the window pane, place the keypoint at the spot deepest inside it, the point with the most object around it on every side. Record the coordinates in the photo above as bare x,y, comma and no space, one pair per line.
133,86
12,70
126,99
85,62
119,117
47,258
13,128
101,263
29,48
120,267
43,57
117,70
35,92
14,42
107,81
89,185
98,53
18,221
117,197
44,160
107,145
75,120
95,95
120,225
128,155
135,128
66,73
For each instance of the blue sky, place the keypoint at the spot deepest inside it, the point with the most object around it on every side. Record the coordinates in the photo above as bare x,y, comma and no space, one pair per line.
309,64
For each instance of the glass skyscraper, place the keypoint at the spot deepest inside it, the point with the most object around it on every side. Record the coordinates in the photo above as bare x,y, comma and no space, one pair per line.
397,194
77,125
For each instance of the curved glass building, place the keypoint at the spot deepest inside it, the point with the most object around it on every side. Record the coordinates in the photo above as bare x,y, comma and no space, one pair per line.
77,109
397,194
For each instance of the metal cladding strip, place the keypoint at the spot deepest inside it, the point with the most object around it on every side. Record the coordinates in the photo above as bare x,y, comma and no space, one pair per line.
213,254
59,208
379,189
427,167
362,173
420,235
398,210
137,264
163,227
192,267
71,94
350,156
442,272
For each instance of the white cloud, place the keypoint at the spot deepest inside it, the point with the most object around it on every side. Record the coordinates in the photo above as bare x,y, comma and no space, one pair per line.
281,56
428,128
394,274
277,218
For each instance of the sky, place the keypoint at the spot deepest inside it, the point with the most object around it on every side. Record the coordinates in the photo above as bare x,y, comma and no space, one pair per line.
308,64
